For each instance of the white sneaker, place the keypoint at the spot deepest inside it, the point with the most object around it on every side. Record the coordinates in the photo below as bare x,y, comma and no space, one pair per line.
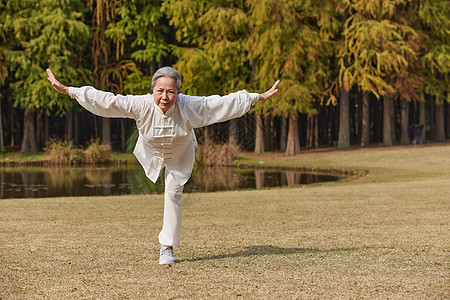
166,255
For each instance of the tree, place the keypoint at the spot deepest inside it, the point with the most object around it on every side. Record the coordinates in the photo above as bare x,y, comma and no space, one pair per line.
376,51
209,45
43,34
344,119
108,73
432,21
140,34
4,63
193,63
287,43
223,43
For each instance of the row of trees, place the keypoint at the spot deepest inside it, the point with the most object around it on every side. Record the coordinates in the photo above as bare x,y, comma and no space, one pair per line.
352,71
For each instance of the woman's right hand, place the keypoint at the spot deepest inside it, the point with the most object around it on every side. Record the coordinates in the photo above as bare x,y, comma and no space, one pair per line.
56,84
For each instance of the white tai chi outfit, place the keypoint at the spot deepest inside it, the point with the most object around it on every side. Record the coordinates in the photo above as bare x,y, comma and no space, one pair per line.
166,139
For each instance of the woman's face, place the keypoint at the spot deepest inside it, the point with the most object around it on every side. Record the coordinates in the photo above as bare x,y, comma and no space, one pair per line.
165,93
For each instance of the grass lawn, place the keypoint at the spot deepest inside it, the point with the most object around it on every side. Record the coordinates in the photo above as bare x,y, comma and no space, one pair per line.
382,235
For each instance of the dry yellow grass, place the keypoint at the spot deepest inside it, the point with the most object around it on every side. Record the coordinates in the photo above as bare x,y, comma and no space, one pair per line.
381,236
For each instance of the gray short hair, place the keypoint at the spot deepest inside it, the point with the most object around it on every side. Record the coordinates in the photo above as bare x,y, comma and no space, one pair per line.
167,72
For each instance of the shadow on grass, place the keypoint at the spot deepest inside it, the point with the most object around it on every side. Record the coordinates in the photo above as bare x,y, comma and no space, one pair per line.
268,250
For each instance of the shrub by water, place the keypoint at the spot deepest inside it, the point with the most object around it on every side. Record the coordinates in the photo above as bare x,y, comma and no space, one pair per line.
58,152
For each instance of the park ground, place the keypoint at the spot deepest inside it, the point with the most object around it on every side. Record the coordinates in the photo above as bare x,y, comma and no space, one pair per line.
381,234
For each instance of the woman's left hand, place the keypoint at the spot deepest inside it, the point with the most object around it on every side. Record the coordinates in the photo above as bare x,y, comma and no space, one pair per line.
273,90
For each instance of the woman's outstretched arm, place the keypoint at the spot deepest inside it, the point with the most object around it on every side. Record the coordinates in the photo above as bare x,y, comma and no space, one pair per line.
101,103
204,111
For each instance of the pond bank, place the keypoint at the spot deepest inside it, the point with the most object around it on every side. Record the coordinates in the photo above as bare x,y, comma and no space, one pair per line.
246,161
38,159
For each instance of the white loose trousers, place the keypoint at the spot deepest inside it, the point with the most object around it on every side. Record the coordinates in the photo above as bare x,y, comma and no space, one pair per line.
170,234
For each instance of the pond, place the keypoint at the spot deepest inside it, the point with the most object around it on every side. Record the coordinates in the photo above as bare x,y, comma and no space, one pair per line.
37,182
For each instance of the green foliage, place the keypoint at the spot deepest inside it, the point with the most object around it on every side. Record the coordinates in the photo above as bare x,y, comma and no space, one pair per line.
140,22
138,84
287,43
108,74
44,34
210,40
380,48
433,22
183,15
3,47
139,33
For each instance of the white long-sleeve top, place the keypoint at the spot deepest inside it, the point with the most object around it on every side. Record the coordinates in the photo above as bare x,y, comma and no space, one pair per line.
166,139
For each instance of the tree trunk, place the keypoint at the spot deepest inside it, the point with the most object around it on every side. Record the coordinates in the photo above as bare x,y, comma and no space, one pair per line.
69,125
432,118
352,121
122,134
96,120
440,127
293,141
387,137
283,134
46,130
344,129
377,119
76,127
2,140
404,123
309,129
39,129
393,120
422,118
106,132
448,119
312,132
233,132
208,134
274,133
328,125
268,146
29,138
259,138
12,114
316,131
344,118
365,120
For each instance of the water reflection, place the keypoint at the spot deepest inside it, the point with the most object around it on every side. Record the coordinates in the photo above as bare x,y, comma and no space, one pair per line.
56,182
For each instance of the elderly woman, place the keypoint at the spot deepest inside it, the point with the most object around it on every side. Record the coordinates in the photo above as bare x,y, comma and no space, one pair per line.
166,120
